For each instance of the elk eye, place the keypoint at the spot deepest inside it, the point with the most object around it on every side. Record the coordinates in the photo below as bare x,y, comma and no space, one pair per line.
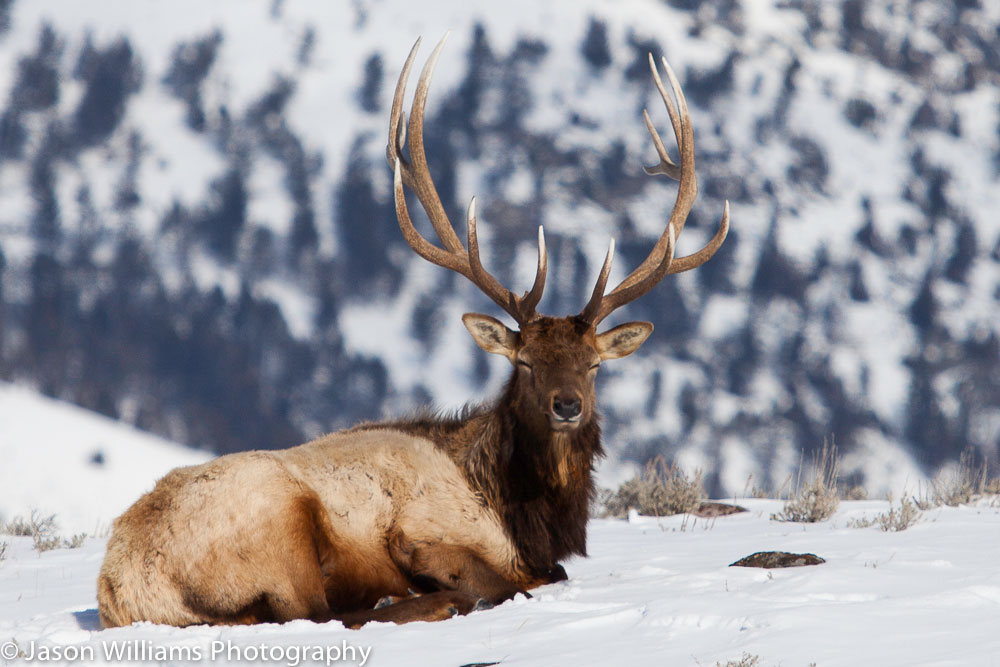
595,366
524,364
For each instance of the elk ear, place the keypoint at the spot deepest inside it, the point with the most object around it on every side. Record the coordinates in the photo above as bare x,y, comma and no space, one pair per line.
491,334
623,340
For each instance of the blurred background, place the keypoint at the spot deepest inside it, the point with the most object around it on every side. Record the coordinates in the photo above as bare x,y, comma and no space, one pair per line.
197,234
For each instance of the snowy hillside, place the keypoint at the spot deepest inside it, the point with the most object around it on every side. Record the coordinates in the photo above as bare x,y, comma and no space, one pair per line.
86,469
197,237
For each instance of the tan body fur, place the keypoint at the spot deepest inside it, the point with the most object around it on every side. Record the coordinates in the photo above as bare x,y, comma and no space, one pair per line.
300,533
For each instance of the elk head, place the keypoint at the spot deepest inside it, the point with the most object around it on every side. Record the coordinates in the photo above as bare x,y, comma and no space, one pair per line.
555,359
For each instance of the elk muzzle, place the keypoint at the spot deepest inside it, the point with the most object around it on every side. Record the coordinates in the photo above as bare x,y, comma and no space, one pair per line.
565,410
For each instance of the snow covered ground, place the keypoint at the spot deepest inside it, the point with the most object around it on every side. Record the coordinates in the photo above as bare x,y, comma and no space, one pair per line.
652,592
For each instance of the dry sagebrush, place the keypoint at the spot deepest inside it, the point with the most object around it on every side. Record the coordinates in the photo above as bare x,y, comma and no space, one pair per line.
818,499
661,489
42,531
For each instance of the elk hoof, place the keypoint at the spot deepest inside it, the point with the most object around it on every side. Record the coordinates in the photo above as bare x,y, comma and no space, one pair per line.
384,602
483,604
456,604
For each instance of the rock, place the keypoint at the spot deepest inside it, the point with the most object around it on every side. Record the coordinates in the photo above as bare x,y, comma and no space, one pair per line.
709,509
772,559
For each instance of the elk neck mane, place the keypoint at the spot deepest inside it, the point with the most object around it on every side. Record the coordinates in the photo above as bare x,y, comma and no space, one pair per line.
540,485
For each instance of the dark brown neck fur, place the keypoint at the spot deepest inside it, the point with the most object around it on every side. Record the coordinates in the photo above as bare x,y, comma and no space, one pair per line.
541,487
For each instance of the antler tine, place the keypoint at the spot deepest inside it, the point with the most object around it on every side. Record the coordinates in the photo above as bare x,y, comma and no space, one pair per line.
483,278
415,174
660,260
420,245
423,186
687,189
626,293
696,259
531,298
597,296
679,216
397,120
666,165
522,309
657,263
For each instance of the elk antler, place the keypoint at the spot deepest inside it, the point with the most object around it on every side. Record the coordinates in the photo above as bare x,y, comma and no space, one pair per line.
660,261
415,174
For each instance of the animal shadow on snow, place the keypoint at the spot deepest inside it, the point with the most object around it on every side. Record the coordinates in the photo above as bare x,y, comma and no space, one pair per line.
88,619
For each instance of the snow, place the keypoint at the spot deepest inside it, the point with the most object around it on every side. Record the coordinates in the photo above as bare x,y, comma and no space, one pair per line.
372,329
297,309
652,591
47,462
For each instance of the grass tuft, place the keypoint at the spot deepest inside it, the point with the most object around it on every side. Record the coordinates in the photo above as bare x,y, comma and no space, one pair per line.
818,499
42,531
746,660
19,526
855,492
961,486
661,489
893,521
74,542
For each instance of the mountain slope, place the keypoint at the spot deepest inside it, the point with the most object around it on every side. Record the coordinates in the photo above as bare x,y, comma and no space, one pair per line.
197,235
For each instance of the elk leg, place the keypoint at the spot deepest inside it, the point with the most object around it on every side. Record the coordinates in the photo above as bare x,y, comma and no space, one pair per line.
299,592
437,606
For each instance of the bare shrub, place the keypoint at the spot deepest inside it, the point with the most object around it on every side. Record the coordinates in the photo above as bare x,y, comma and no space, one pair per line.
46,543
855,492
818,499
962,486
3,550
18,527
661,489
74,542
893,521
897,520
746,660
42,531
751,490
992,492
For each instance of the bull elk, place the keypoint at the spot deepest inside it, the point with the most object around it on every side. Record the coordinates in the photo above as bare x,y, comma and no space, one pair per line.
421,518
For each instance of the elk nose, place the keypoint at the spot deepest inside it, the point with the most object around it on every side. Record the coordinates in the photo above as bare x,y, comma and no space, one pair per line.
566,407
